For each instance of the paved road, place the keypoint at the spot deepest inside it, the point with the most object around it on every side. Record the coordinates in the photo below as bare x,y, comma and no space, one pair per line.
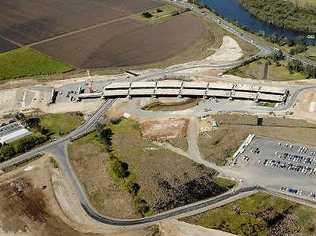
80,131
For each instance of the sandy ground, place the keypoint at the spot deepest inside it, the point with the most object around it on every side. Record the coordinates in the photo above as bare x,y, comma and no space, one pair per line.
7,100
84,107
164,128
306,106
229,51
179,228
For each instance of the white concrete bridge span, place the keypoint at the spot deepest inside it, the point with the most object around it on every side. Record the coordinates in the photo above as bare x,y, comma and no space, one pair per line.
177,88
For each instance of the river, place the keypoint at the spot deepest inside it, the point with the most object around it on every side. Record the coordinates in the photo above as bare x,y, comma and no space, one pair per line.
232,10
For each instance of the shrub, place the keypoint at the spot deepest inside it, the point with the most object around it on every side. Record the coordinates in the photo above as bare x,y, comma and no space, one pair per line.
147,14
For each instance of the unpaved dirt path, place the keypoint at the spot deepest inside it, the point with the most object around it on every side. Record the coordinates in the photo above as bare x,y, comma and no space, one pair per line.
179,228
229,51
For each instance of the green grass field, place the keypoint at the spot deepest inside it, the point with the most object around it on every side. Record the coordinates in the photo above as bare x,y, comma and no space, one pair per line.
62,123
23,62
255,70
260,214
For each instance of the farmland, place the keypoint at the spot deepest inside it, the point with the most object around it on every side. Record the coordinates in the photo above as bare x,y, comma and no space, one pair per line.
28,62
40,20
106,34
108,46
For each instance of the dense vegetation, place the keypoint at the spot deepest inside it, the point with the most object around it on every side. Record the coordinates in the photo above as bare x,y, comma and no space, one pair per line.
7,151
260,214
282,13
24,62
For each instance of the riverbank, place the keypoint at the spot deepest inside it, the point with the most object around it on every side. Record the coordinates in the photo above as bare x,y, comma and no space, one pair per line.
282,13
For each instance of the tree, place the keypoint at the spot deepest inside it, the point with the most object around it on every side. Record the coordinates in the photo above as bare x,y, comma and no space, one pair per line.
7,151
147,14
33,122
106,136
120,169
133,188
277,55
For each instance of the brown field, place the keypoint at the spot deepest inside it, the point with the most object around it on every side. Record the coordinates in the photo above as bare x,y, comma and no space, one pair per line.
106,196
6,45
127,42
37,20
167,180
220,144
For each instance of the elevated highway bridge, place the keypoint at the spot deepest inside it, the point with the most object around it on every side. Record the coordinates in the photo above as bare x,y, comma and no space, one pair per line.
177,88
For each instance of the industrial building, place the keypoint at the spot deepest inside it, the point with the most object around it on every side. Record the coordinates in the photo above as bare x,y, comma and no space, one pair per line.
10,132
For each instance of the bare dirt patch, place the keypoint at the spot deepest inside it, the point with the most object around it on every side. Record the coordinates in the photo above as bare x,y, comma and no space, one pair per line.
28,205
170,104
165,128
179,228
306,106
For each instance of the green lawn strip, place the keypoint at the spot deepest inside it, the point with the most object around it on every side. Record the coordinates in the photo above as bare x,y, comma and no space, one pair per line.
23,62
223,182
61,123
256,215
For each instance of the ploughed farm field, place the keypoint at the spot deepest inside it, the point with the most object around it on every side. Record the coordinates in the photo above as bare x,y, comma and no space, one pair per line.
98,34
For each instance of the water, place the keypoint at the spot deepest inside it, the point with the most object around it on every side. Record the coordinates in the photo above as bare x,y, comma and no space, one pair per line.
232,10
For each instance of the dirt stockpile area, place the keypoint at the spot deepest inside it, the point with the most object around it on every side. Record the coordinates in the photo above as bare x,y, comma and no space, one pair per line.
127,42
31,21
164,128
27,204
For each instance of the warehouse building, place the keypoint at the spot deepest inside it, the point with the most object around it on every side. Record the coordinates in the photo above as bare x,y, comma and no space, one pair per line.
10,132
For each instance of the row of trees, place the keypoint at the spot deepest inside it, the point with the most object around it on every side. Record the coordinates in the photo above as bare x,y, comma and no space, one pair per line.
120,170
295,65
